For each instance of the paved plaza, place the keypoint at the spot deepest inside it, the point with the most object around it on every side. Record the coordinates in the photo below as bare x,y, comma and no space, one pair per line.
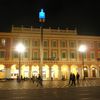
52,90
28,84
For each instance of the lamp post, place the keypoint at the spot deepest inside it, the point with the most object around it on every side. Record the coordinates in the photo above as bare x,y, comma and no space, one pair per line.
20,48
82,49
41,20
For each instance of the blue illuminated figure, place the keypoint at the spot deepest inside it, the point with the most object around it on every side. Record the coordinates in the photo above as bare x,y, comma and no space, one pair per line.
42,16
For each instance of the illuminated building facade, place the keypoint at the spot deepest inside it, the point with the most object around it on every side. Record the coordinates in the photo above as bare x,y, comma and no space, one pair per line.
60,53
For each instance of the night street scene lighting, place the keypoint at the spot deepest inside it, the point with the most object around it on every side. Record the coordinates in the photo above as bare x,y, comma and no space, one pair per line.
20,48
41,20
82,49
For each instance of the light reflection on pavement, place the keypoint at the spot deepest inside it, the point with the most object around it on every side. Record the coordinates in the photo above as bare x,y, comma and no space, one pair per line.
28,84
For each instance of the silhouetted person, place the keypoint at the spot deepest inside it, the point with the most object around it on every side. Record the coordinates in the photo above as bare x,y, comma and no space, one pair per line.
33,78
51,78
21,77
39,80
73,80
77,77
70,79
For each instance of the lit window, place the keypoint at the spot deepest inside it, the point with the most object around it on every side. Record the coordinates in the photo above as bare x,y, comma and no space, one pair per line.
45,55
15,41
72,44
91,45
45,43
63,55
3,42
35,43
98,45
2,54
35,55
92,55
15,54
53,55
72,55
63,43
54,43
84,55
26,54
26,43
98,54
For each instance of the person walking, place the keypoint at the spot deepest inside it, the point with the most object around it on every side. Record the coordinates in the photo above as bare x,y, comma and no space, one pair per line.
39,80
33,78
70,79
77,77
73,80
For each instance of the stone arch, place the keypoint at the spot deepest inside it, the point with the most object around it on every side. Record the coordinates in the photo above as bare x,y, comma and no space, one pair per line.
2,71
45,72
93,70
74,69
64,71
85,71
25,71
14,71
55,72
34,70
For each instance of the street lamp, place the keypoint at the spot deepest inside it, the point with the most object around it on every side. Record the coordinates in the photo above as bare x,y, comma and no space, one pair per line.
83,49
20,48
41,20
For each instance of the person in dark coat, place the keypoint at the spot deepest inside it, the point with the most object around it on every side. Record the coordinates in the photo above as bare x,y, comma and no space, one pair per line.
73,80
39,80
77,77
70,79
33,79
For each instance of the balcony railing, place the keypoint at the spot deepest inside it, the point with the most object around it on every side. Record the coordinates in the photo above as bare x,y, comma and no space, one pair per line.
37,30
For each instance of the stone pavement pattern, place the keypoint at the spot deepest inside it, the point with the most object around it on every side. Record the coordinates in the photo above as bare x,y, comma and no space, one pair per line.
13,84
71,93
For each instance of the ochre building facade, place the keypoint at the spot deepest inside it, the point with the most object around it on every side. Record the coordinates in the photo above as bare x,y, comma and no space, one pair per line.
60,54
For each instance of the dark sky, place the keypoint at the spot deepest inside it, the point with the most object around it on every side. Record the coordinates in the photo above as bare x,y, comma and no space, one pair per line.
81,14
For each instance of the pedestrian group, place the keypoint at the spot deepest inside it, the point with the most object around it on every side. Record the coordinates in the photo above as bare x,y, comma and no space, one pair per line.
37,79
73,79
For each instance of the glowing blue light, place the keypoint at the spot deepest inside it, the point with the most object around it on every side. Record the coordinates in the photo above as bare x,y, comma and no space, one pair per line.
41,14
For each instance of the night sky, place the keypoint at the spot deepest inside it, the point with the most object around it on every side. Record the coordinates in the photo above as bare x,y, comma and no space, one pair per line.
81,14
